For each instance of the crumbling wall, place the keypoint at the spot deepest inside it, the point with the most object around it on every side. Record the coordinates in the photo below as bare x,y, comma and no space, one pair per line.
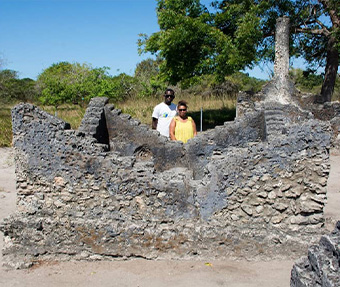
329,111
128,137
94,121
321,266
254,187
229,192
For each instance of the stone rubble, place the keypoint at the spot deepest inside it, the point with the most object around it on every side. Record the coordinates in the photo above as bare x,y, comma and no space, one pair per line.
321,266
114,189
233,191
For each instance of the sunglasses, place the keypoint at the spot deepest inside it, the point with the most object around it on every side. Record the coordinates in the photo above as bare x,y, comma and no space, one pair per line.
182,110
169,96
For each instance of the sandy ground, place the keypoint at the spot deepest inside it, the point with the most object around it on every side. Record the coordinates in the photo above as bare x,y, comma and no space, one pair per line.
140,272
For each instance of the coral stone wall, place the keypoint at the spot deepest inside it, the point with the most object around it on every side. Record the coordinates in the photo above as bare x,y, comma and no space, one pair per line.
321,267
115,188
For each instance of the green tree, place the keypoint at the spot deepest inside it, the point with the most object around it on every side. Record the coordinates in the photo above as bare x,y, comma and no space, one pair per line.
122,87
192,44
246,83
74,83
63,83
14,89
319,40
306,81
5,77
148,82
100,84
239,34
315,33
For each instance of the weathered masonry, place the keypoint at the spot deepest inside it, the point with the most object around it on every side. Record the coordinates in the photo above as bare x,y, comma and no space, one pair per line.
321,266
254,187
237,190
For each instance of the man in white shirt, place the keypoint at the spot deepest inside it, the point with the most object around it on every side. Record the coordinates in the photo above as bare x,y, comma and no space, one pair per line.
163,113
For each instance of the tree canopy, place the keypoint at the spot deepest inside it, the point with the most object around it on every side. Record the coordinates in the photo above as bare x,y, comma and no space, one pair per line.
192,44
147,78
235,34
12,88
64,82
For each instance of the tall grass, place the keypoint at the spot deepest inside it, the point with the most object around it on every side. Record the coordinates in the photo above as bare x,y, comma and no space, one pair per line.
5,125
72,114
215,112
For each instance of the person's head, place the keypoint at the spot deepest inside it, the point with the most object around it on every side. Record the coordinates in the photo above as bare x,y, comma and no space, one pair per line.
182,108
169,96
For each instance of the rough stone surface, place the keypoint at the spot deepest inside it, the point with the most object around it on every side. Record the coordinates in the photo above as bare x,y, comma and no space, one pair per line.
254,187
94,121
281,89
321,266
233,191
281,64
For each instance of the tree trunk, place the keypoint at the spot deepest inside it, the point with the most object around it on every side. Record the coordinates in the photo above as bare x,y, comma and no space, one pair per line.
331,70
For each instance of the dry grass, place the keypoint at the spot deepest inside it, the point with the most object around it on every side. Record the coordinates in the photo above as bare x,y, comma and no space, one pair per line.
5,125
215,112
72,114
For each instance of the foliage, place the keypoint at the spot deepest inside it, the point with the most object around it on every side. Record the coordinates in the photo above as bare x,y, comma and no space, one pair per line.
14,89
306,81
117,88
63,83
309,82
75,83
191,41
239,33
121,87
147,78
206,86
314,24
246,83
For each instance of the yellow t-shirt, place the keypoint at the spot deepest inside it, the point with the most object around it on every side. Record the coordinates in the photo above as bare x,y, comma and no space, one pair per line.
184,131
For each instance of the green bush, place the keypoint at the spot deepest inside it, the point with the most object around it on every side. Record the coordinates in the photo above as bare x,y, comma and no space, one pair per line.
14,89
306,81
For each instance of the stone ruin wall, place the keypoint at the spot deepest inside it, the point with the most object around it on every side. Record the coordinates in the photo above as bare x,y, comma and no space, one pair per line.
253,188
321,266
114,188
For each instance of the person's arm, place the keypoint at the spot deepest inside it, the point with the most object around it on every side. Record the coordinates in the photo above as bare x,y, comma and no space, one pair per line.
194,128
172,129
154,123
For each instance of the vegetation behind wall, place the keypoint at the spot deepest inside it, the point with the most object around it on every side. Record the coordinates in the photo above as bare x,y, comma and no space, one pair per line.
65,89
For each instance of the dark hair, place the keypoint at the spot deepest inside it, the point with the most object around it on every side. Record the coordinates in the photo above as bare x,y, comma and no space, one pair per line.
182,103
169,90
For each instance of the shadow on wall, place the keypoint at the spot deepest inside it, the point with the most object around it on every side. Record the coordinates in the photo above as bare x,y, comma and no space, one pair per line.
254,187
127,136
214,117
227,192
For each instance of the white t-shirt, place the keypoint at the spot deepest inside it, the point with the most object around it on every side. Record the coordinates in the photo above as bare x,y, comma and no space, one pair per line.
164,114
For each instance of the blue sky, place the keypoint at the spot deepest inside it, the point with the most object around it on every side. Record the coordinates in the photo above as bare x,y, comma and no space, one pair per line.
34,34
